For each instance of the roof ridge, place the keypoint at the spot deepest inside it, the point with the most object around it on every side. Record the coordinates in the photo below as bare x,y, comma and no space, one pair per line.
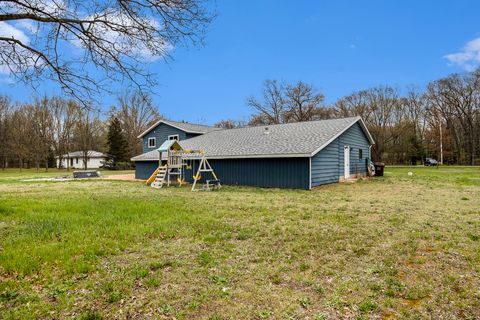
292,123
186,122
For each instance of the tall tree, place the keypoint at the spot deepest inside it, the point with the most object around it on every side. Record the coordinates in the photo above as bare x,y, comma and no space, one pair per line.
271,110
382,110
115,37
88,134
283,103
42,135
5,109
136,113
303,102
117,145
65,113
19,135
457,99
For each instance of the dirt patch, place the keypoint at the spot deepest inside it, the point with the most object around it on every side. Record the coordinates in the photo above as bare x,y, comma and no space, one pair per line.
122,177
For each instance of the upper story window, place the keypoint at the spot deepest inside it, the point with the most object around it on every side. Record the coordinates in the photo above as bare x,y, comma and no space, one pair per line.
151,142
173,137
360,154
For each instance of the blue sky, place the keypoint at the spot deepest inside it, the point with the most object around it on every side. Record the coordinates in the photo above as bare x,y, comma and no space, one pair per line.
338,46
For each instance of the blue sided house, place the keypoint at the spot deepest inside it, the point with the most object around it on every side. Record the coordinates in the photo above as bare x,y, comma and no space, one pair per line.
299,155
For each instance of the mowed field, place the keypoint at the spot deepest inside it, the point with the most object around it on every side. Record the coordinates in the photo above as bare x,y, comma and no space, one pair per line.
394,247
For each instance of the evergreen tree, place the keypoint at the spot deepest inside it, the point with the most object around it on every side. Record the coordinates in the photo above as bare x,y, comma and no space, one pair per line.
117,144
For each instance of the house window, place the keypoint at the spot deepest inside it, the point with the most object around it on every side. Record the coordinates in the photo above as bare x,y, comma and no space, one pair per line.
151,142
360,154
173,137
76,160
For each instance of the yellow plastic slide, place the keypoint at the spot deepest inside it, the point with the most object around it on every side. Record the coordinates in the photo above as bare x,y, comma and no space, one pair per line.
152,177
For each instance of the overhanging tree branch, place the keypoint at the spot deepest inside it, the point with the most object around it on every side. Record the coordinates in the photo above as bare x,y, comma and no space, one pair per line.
117,39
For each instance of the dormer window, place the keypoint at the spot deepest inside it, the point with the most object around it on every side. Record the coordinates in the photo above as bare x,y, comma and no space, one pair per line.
152,142
173,137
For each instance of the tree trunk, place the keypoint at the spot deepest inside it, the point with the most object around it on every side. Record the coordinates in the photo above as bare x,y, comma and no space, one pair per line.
472,148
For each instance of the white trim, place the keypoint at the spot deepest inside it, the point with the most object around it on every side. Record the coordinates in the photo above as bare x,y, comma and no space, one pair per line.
346,173
174,135
310,175
154,142
369,137
365,129
169,124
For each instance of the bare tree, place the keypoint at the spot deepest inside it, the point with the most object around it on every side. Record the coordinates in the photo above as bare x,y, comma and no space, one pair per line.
136,113
457,99
416,103
229,124
303,102
272,109
41,121
115,37
415,106
5,109
382,110
65,114
19,136
89,134
283,103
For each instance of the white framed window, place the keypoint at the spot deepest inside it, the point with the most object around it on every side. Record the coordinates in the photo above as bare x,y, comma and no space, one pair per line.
152,142
173,137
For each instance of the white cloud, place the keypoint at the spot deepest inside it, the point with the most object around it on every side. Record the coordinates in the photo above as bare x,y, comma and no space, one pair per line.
27,26
469,57
119,42
9,31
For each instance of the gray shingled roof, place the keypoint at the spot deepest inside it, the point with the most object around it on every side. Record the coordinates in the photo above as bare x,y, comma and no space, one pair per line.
185,126
301,139
91,154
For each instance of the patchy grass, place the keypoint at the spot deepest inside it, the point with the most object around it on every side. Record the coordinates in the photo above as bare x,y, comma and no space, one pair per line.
393,247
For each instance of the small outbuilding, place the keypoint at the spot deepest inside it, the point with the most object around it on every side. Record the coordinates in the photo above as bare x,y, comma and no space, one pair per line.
294,155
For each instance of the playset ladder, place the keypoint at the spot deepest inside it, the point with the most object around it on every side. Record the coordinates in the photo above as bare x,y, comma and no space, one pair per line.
160,179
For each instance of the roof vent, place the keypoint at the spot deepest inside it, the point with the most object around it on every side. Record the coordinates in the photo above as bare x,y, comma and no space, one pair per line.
266,131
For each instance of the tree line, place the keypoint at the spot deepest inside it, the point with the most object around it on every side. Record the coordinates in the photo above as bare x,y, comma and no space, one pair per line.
33,135
441,121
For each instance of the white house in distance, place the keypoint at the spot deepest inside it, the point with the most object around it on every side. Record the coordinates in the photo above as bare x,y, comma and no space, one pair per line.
74,160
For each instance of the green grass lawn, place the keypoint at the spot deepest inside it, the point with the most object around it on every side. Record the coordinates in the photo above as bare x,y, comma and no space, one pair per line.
15,174
393,247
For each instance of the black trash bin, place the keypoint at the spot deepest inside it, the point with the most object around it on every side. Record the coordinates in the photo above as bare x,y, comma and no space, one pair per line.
379,166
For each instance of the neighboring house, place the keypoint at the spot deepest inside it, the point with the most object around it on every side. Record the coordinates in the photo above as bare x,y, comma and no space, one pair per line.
294,155
74,160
